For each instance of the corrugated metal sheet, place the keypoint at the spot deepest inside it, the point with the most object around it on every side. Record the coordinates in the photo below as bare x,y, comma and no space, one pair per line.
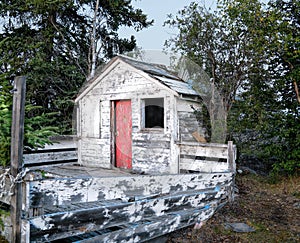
180,87
150,68
165,76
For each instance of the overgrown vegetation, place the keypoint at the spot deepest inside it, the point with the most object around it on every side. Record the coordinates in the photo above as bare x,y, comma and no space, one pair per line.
36,134
251,53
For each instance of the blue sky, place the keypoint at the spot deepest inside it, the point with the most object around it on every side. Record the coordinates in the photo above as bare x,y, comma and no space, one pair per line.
153,38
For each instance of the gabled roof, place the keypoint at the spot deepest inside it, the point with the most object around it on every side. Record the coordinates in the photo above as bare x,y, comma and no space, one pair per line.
162,74
155,71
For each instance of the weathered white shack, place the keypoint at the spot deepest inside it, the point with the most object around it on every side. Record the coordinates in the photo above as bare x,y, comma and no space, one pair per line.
135,115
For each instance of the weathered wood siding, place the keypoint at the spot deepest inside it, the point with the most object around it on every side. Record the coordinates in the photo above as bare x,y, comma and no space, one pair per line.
54,192
151,151
188,122
62,151
206,157
64,207
112,209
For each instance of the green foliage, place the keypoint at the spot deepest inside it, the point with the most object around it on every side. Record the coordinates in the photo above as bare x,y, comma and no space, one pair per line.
3,213
5,128
49,42
36,134
251,52
266,117
287,151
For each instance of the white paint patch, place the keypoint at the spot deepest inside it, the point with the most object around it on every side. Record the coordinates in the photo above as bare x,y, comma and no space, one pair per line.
67,215
42,223
159,207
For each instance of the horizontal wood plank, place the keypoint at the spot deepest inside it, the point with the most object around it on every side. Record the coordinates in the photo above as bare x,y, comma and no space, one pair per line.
49,156
204,151
152,228
55,192
108,215
203,165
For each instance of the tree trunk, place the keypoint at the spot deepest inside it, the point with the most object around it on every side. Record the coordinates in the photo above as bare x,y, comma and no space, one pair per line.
94,42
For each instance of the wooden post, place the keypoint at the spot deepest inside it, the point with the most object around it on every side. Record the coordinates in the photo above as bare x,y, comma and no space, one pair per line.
231,162
17,136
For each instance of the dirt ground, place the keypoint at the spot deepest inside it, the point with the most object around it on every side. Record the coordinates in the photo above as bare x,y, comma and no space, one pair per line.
273,210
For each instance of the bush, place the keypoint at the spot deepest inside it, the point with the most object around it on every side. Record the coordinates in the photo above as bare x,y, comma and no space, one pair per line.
36,133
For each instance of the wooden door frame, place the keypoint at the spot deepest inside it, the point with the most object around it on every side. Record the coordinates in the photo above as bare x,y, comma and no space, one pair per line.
113,133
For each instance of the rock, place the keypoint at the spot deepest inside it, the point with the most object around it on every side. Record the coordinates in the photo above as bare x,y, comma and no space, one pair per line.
239,227
247,170
297,205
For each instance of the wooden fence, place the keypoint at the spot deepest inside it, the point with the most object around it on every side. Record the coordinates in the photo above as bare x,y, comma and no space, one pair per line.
207,157
201,157
65,151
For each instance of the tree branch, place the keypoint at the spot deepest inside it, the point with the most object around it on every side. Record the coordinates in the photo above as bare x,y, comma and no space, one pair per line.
297,91
69,50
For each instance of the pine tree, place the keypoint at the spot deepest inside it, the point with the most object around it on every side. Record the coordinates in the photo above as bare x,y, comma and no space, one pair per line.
51,43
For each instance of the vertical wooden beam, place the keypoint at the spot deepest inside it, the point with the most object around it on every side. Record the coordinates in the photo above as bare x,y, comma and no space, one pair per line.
231,162
112,134
232,168
17,136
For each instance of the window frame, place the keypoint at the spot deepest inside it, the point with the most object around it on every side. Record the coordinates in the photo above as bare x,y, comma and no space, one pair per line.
143,114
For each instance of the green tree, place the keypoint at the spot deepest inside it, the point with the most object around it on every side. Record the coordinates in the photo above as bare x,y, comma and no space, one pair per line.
220,44
251,53
51,43
267,115
35,134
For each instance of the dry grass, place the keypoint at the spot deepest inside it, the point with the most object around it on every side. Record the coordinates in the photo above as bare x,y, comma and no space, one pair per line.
269,208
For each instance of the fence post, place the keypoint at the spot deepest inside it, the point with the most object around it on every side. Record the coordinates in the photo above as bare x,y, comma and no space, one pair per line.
232,168
231,157
17,136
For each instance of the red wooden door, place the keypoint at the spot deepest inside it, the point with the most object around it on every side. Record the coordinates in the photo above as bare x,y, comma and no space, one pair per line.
123,134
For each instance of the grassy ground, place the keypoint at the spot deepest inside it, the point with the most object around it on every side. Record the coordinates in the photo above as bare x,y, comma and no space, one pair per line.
272,209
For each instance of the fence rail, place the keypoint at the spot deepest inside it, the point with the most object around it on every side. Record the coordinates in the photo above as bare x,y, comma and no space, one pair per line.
207,157
58,153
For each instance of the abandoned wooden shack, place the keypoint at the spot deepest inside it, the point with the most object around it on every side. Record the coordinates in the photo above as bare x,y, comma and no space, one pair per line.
140,172
135,115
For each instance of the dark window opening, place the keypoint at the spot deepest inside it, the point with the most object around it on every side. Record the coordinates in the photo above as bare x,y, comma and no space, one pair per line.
154,113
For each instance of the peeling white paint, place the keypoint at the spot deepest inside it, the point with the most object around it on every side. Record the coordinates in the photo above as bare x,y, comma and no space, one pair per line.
42,223
159,207
67,215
